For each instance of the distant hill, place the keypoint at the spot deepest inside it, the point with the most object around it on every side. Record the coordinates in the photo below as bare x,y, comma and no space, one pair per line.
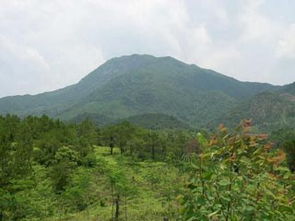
156,121
136,85
97,119
268,110
149,121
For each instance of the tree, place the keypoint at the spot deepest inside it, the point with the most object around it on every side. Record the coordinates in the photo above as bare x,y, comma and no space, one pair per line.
15,167
120,188
153,143
64,162
87,135
285,139
123,133
289,147
237,176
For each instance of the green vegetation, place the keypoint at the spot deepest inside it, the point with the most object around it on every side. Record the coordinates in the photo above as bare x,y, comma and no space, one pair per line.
128,148
239,177
148,121
269,111
285,139
55,171
130,87
51,170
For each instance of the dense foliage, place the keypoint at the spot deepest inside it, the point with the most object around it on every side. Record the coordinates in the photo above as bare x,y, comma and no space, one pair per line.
148,121
285,139
49,168
32,149
239,176
269,110
57,171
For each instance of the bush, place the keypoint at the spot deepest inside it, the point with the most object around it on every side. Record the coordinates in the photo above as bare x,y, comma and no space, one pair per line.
238,177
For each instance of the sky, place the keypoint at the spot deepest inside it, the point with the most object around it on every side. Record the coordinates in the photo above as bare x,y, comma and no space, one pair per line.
49,44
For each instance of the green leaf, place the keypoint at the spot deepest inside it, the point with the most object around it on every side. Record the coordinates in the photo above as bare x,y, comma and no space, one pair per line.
212,214
224,182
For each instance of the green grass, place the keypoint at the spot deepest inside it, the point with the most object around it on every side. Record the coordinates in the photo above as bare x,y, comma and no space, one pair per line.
154,187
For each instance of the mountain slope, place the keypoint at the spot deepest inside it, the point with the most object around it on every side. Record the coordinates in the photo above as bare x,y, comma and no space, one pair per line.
52,103
148,120
268,110
139,84
168,86
156,121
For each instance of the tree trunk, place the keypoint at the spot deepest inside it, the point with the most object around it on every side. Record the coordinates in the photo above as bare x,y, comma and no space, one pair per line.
112,144
126,208
112,203
117,212
122,149
153,152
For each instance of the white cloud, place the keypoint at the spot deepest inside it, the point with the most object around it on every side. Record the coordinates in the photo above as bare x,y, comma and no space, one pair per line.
22,53
45,45
286,45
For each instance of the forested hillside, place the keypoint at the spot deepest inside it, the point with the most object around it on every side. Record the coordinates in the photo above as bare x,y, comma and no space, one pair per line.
149,121
136,85
51,170
268,110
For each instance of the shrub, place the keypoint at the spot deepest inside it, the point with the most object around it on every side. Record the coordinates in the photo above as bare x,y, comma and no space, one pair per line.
239,177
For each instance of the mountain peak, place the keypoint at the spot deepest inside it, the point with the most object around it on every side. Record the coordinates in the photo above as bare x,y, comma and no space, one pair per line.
131,58
136,84
143,57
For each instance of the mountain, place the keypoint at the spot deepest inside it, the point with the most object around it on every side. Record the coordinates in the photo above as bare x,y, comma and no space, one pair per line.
53,103
97,119
148,121
289,91
156,121
268,110
142,84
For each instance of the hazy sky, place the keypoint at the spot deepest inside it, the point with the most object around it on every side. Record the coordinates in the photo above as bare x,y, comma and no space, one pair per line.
48,44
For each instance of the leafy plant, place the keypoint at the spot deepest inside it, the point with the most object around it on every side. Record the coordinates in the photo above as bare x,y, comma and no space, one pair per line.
239,177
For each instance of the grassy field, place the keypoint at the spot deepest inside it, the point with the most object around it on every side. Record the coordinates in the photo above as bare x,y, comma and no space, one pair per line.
152,188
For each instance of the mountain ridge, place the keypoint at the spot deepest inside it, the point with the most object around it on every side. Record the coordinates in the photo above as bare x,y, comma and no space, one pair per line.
268,110
139,84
